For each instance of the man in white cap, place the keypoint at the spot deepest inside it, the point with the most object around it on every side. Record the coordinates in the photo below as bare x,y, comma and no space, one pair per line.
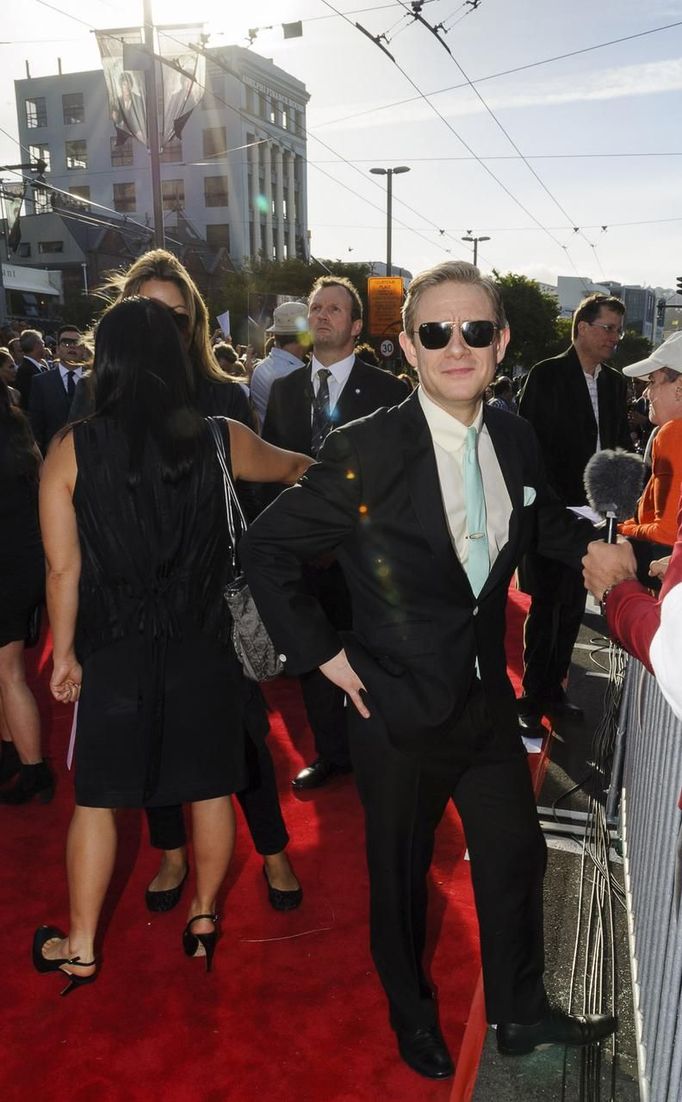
290,330
650,627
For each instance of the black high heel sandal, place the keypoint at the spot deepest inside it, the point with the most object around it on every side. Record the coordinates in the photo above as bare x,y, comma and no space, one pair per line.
191,942
41,963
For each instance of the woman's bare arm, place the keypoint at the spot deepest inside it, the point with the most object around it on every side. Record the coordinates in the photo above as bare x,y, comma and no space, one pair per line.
63,560
256,461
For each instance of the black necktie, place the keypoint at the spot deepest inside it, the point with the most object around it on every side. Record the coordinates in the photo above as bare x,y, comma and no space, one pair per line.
321,418
70,384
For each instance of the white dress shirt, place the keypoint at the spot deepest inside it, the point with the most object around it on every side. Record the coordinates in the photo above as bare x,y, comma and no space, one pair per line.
64,372
449,440
591,382
337,380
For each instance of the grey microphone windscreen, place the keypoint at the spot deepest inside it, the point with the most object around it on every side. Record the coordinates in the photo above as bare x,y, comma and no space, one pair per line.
614,480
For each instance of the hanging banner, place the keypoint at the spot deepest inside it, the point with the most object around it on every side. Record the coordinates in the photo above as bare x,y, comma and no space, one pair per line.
125,87
14,197
183,76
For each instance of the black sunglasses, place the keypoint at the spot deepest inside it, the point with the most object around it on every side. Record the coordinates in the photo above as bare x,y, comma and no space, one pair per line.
70,342
438,334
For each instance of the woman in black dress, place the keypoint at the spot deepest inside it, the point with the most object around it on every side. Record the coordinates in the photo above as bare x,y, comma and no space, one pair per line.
159,275
22,580
135,535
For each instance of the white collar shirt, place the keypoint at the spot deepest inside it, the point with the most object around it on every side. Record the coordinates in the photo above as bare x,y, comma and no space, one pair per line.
591,382
449,441
337,380
64,372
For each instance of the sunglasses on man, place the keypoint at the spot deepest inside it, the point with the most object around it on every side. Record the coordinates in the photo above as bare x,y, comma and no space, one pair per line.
438,334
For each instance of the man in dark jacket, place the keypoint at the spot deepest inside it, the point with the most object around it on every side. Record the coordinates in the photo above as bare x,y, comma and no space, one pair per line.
577,406
302,408
428,506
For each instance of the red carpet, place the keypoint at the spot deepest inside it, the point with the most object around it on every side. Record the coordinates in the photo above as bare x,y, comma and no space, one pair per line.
292,1011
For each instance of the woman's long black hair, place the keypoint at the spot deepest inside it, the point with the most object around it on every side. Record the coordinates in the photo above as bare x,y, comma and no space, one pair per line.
144,380
15,430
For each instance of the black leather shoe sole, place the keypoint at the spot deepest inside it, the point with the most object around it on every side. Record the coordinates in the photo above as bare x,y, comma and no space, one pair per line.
425,1051
159,902
558,1028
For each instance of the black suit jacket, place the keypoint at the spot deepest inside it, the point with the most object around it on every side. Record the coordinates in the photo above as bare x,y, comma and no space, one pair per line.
48,406
557,403
287,419
374,498
26,371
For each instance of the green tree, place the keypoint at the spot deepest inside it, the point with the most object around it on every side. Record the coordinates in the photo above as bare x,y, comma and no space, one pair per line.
632,348
532,314
287,277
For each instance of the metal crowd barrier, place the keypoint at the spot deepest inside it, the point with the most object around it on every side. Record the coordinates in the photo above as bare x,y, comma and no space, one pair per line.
647,777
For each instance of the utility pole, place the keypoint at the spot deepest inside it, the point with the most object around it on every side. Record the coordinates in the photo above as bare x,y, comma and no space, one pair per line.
475,241
153,126
389,173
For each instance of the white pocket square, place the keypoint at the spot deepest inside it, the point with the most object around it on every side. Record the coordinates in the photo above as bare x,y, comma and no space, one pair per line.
528,495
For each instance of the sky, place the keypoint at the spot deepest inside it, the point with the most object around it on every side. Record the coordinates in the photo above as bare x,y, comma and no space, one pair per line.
570,167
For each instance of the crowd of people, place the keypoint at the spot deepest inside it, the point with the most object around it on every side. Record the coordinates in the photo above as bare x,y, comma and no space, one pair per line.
381,573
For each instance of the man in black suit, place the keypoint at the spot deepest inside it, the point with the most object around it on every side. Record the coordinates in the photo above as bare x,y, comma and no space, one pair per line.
428,507
52,391
577,405
302,408
33,348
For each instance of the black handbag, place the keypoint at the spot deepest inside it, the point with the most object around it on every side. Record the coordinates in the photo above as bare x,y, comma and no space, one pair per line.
253,646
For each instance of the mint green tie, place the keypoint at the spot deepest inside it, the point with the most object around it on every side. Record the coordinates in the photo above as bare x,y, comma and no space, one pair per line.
478,559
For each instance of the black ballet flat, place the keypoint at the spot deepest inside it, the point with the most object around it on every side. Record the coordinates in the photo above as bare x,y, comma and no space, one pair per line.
41,963
163,901
283,900
191,941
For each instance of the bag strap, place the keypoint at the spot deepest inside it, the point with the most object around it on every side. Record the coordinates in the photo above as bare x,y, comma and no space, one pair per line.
232,505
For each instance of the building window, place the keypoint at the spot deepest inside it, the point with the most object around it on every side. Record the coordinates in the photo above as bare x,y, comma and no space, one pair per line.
50,246
40,153
124,198
286,121
76,154
215,141
218,236
171,152
121,155
73,108
36,112
250,99
82,193
173,194
215,84
24,250
215,191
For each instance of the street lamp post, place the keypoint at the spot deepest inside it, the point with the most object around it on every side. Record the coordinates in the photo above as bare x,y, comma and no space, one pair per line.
475,242
389,173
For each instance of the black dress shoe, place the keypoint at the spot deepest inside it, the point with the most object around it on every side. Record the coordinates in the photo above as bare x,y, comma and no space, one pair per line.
167,899
319,772
282,900
556,1028
562,708
425,1051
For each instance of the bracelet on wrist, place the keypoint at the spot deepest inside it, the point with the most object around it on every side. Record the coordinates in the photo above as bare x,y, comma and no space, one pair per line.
609,589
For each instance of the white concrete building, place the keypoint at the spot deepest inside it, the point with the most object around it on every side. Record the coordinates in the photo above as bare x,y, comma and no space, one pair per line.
237,178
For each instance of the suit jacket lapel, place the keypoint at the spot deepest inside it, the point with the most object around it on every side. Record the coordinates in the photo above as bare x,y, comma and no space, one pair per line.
352,401
509,459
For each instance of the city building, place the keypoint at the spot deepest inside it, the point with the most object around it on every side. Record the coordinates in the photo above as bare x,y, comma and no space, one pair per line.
640,302
233,187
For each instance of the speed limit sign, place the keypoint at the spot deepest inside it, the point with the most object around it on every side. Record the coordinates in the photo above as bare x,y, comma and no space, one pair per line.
387,349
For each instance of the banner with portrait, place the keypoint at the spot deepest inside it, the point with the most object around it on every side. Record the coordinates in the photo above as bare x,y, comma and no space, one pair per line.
125,86
13,195
183,76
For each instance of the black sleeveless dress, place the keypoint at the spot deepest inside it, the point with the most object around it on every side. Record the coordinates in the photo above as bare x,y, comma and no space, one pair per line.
162,707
